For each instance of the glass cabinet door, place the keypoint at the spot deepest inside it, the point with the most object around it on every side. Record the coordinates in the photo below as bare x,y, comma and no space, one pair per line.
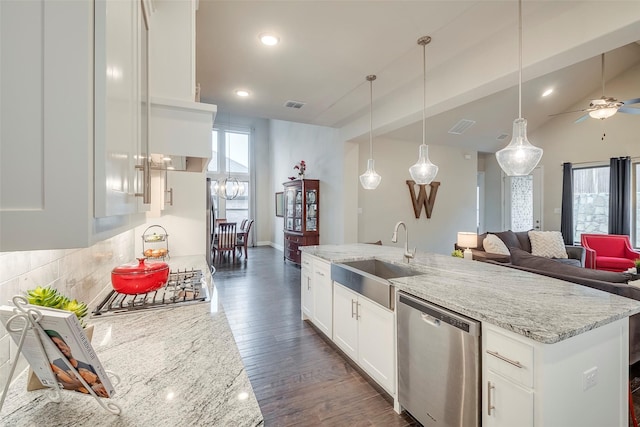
312,210
290,208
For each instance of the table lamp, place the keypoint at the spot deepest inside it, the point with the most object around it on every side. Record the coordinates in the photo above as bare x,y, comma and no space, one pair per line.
467,240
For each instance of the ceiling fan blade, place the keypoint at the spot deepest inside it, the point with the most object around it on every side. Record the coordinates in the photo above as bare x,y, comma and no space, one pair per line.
582,118
574,111
629,110
632,101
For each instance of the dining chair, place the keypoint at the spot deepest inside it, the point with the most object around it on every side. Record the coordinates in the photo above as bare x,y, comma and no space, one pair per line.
243,239
243,224
220,221
226,240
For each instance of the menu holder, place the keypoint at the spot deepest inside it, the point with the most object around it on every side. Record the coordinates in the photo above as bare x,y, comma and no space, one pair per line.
42,349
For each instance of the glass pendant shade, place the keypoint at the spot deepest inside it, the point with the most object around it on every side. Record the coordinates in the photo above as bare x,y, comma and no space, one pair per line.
603,113
423,172
519,158
370,179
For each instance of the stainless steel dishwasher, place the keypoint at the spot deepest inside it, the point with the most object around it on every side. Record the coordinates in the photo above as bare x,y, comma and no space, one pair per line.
438,364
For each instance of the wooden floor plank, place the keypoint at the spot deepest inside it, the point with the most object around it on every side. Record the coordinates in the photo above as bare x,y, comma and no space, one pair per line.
298,378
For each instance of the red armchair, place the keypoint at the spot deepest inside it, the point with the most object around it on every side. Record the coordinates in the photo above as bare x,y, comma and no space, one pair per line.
611,252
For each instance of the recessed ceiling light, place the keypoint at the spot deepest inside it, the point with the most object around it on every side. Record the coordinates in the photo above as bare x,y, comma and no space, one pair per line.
242,93
269,39
547,92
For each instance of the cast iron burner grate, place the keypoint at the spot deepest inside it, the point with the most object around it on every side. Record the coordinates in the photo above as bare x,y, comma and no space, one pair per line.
183,287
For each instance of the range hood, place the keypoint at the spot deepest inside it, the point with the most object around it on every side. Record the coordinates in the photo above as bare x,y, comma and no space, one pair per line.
180,134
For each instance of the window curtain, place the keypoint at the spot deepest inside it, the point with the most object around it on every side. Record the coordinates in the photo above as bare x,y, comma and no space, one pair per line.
566,219
620,196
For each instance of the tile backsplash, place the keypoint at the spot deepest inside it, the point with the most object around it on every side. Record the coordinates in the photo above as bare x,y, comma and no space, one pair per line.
83,274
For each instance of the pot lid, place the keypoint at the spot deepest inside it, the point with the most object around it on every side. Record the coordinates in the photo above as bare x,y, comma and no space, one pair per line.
141,267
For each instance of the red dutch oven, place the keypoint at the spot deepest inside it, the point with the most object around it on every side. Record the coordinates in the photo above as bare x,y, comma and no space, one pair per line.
139,277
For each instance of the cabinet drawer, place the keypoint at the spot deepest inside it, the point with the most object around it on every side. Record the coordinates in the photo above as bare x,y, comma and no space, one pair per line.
291,245
322,270
295,239
511,358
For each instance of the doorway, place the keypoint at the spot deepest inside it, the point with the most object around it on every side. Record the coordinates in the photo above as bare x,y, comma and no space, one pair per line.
522,201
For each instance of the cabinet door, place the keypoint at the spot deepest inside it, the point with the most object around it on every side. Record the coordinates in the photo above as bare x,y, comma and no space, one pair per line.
511,405
345,324
117,106
376,343
323,297
306,292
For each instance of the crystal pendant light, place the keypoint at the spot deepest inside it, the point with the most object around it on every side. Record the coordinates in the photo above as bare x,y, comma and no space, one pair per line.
228,188
423,172
519,158
370,179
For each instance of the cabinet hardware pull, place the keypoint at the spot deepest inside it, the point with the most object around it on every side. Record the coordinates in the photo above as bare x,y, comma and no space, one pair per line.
352,310
146,182
170,202
506,359
308,283
490,405
357,310
319,273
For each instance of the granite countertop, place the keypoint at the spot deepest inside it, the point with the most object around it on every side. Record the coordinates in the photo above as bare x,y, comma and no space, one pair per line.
544,309
178,366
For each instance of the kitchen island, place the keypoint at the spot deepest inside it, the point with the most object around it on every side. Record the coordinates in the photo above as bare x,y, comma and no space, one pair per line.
551,352
177,366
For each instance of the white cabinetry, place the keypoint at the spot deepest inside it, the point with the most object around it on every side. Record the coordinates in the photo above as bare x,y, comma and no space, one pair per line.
173,49
365,331
49,175
528,383
317,292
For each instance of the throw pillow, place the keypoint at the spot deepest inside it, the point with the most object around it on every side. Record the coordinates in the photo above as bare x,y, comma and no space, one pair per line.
509,238
525,259
493,245
548,244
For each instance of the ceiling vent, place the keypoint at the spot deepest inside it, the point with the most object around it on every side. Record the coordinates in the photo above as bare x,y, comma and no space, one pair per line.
461,127
294,104
502,136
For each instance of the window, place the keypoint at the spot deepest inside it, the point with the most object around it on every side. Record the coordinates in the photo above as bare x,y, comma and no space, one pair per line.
590,201
230,158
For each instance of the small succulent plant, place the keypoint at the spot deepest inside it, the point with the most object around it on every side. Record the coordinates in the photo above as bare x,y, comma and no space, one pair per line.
457,253
50,297
637,263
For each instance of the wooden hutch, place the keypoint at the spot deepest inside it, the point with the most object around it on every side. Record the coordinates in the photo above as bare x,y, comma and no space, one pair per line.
301,216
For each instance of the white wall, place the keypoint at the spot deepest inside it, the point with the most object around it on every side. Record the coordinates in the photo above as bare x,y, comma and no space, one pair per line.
324,153
566,141
492,193
185,221
455,205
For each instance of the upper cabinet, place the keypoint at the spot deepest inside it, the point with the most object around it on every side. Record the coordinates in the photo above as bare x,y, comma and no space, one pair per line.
179,126
173,50
73,120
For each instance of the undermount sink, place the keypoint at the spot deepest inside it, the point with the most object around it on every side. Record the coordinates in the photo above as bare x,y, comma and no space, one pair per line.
371,278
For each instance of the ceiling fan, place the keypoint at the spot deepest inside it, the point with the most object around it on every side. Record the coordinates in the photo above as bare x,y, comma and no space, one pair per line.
605,106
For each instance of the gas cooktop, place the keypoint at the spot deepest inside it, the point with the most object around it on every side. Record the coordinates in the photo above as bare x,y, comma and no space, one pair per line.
183,287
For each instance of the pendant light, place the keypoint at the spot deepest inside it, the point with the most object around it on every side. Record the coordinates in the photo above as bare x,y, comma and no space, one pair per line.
519,158
423,172
227,188
370,179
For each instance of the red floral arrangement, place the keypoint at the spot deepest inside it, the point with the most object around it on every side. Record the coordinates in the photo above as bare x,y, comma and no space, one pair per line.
301,167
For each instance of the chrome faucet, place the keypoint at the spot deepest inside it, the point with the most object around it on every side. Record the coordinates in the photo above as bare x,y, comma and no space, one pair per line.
407,253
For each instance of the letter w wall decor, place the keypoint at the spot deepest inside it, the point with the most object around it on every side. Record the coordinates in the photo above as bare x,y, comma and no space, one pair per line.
423,199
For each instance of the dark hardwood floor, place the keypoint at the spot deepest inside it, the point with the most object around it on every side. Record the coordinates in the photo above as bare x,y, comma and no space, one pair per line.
298,378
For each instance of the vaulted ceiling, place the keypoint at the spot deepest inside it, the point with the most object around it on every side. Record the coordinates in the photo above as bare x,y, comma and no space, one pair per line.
327,48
